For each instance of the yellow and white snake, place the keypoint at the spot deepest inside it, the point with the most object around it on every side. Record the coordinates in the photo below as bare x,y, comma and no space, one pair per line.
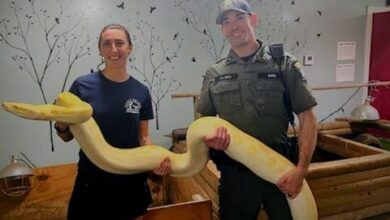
243,148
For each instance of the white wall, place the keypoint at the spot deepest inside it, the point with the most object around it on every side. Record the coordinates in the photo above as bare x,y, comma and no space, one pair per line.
339,21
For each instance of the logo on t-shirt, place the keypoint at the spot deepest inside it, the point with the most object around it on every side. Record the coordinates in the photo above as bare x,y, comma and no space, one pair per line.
133,106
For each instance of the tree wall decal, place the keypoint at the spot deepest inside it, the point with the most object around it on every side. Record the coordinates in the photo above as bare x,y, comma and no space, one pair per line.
154,61
274,25
62,43
202,22
277,26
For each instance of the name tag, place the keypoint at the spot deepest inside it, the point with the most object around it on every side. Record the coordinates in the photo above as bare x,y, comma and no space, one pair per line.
274,75
230,76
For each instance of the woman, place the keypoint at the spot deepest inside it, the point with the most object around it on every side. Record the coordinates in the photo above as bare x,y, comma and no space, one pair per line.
121,107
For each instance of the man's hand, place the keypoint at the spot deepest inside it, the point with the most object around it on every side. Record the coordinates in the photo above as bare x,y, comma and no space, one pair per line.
219,140
164,168
291,182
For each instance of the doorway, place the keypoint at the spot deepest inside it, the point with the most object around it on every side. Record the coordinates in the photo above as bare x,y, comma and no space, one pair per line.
377,67
377,57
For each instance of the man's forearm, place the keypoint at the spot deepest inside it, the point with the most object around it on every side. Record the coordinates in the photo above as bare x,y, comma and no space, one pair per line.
307,138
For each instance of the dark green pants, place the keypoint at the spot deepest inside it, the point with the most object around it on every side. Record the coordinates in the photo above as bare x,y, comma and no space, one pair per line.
242,194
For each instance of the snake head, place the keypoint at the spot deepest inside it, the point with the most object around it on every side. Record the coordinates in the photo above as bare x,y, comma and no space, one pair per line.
68,108
24,110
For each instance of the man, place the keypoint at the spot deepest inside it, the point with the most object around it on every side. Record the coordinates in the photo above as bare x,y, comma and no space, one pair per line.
243,89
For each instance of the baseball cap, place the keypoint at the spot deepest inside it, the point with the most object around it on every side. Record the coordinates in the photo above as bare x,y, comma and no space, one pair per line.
235,5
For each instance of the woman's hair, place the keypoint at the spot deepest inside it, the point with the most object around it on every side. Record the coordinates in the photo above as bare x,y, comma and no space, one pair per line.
115,26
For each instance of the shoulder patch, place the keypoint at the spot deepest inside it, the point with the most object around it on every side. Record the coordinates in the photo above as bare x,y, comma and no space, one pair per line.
298,65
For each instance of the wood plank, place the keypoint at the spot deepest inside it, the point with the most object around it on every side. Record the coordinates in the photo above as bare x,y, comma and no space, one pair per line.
194,210
208,179
331,181
181,189
350,85
351,188
213,195
361,213
50,194
344,147
158,186
48,199
327,126
332,125
339,131
380,124
211,175
345,203
333,168
314,88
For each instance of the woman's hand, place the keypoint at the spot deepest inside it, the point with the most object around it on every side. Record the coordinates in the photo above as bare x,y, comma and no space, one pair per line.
61,127
63,131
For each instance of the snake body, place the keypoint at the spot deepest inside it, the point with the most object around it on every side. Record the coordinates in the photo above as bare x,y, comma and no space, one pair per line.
259,158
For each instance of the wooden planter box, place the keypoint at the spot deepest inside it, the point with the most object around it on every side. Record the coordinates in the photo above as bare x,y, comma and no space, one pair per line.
355,186
352,188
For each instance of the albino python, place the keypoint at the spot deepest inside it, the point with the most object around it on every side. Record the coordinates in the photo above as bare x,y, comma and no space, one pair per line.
262,160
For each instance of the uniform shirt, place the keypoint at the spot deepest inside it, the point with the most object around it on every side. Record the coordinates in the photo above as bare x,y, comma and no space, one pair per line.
250,94
118,109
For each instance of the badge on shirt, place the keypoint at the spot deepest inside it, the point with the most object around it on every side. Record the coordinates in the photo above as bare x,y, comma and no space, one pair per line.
230,76
133,106
271,75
